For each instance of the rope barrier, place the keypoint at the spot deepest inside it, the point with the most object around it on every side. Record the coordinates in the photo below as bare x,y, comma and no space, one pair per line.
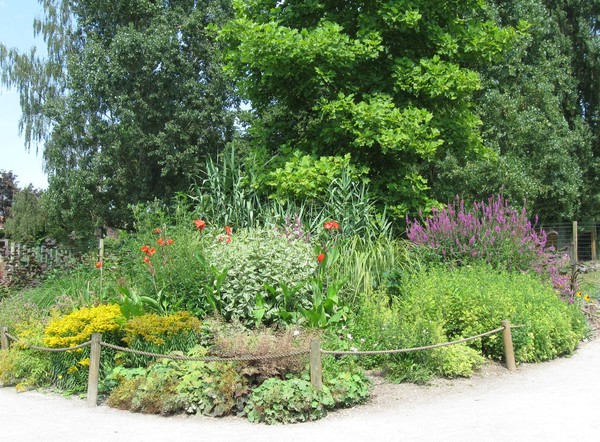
35,347
406,350
315,352
257,358
205,358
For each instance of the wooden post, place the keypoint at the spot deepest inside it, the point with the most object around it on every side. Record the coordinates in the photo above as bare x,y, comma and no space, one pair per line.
509,353
92,391
594,256
316,369
575,257
3,338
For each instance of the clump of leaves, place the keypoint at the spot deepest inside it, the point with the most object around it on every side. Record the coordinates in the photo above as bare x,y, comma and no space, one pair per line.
296,400
170,386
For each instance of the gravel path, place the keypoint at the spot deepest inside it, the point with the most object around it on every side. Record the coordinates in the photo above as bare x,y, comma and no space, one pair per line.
553,401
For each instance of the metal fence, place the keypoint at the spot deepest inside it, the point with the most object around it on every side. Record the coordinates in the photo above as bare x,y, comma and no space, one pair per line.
578,239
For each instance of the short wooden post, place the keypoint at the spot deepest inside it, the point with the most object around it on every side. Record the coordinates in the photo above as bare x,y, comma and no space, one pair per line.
3,338
92,392
316,369
594,233
509,353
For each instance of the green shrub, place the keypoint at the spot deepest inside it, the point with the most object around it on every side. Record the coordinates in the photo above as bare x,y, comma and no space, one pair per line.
19,365
471,300
456,361
24,368
348,388
257,259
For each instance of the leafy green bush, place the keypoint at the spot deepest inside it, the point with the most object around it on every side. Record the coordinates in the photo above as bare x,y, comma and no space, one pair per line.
260,258
348,388
471,300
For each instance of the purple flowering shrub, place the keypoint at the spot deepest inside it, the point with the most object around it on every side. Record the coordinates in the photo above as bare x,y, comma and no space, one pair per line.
493,232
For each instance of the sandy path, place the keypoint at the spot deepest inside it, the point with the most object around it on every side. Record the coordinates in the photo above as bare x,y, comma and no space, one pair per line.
554,401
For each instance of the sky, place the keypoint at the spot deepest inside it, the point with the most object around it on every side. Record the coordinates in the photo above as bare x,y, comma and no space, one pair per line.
16,30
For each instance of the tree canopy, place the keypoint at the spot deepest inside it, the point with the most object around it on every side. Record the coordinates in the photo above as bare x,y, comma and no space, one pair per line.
389,82
423,99
136,99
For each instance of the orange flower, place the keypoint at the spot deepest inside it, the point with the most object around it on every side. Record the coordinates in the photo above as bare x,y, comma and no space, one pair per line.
161,242
145,249
200,224
146,259
331,225
227,230
225,239
157,230
151,252
320,258
170,241
99,264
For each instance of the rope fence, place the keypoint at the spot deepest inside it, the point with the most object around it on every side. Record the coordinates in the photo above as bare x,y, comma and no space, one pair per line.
315,352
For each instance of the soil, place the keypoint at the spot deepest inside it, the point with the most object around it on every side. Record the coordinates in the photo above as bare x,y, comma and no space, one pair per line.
552,401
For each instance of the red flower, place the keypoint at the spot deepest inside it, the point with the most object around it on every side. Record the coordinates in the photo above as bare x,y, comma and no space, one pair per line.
145,249
227,230
151,251
170,241
161,242
157,230
320,258
200,224
99,264
331,225
146,259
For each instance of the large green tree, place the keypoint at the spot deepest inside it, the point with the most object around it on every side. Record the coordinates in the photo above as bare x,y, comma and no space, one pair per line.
27,221
136,98
532,111
390,82
8,189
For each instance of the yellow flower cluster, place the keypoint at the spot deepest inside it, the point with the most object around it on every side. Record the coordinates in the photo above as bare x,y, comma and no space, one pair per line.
152,328
78,326
586,297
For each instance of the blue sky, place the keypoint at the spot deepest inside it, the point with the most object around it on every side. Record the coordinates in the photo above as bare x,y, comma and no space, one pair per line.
16,30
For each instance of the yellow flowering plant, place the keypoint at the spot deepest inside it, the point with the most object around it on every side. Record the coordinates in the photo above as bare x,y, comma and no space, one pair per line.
77,327
178,331
69,369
